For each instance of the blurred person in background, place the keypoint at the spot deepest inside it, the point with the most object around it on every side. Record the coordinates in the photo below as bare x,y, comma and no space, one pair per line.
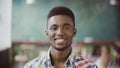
96,52
60,31
103,59
101,55
116,53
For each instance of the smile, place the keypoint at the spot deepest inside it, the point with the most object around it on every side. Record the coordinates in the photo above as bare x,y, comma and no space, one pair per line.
60,40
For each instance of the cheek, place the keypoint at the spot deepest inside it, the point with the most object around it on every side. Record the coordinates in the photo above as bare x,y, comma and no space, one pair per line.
51,35
70,34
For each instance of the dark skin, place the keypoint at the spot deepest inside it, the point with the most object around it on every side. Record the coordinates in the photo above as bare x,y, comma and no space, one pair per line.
60,31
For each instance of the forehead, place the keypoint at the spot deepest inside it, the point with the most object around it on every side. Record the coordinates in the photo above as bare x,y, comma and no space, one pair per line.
60,20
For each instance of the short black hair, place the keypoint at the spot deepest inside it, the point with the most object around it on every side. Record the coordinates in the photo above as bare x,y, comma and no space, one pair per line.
61,10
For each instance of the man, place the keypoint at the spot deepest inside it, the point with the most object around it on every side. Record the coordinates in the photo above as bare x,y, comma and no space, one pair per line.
60,31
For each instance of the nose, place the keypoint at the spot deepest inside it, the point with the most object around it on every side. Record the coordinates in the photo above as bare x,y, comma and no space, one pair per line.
60,32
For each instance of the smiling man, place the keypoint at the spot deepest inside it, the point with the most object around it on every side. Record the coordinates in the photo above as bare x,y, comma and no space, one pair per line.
60,31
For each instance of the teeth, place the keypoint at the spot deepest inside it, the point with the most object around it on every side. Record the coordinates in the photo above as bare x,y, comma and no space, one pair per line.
60,40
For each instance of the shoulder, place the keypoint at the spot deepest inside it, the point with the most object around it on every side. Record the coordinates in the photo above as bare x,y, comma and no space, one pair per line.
33,62
84,62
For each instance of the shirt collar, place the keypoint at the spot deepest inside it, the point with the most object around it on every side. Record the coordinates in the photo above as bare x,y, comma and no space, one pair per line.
68,61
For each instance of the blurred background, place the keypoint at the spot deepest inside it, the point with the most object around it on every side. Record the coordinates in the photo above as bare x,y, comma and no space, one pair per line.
23,24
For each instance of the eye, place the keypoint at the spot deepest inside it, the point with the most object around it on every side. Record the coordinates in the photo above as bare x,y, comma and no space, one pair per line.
53,27
67,27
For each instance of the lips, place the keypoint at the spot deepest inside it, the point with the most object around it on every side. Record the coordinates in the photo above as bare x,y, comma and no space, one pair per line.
59,40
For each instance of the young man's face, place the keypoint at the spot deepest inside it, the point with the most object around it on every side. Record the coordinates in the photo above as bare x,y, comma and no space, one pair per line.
60,30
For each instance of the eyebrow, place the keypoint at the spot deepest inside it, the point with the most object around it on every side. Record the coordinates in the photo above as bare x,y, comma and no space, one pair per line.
66,24
53,24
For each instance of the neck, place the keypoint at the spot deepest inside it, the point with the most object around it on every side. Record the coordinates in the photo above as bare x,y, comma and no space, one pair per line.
59,56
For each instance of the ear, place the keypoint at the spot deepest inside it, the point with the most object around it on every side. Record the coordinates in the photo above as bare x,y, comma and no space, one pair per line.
75,30
46,32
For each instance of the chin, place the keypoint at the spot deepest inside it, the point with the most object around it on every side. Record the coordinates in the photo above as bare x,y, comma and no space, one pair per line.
61,48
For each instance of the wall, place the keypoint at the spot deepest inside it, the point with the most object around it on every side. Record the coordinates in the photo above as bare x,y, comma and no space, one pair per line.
94,18
5,24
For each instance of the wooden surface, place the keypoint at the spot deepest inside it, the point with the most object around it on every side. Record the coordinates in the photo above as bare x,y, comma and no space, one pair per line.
82,42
